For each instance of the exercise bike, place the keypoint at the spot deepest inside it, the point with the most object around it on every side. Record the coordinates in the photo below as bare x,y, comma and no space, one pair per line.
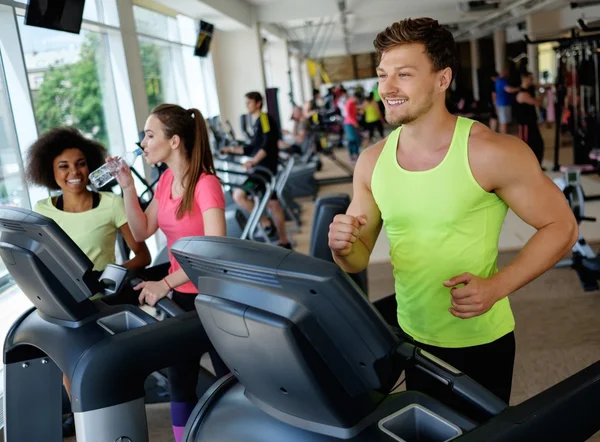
584,260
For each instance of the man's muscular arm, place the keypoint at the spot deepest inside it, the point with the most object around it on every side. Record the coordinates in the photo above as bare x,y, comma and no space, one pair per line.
507,166
352,236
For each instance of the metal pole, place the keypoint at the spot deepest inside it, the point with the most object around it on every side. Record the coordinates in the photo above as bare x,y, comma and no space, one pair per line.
597,82
573,63
558,109
582,94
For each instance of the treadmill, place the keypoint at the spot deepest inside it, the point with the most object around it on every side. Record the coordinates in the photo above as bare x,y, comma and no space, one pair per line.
106,352
313,360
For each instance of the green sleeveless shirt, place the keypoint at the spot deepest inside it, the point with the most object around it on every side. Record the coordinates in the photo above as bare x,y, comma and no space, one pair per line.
440,223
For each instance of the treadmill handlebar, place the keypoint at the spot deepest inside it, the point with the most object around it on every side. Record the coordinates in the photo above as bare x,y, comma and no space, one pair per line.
167,305
459,383
170,308
239,173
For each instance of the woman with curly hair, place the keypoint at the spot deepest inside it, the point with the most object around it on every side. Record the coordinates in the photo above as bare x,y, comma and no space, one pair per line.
61,159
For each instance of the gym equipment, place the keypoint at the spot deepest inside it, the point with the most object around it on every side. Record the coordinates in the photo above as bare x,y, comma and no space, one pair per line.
326,208
222,138
318,141
93,344
292,210
238,224
233,175
579,79
302,181
336,362
320,136
584,261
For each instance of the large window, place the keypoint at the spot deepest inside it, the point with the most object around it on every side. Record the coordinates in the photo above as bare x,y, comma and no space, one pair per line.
71,82
171,71
157,64
12,187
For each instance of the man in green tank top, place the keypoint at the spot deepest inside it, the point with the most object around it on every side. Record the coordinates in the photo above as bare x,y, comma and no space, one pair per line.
441,187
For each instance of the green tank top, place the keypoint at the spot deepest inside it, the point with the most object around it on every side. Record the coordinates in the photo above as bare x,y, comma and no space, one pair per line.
371,114
440,223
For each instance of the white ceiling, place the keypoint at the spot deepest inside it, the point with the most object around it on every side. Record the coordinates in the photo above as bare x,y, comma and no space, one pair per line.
305,19
300,20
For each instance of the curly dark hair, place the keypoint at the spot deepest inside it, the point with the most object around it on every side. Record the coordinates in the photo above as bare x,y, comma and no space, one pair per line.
40,158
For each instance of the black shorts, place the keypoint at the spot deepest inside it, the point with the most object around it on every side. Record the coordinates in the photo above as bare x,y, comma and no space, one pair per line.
256,186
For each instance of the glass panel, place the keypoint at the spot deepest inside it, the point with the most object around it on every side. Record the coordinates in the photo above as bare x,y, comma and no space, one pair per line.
157,64
107,12
90,11
195,80
71,83
155,24
12,185
210,86
188,30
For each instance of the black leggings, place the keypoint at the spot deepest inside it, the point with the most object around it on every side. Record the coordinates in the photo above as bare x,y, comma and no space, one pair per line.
183,379
375,125
530,134
490,364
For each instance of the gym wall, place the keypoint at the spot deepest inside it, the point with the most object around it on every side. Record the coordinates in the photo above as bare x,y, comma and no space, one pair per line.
350,67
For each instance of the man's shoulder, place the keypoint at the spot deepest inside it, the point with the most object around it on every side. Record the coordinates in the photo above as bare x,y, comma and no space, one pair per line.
266,123
367,161
484,141
492,154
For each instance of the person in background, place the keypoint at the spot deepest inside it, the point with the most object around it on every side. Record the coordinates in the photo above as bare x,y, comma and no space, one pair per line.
264,150
492,103
549,104
351,127
188,201
504,100
342,101
378,99
318,101
293,140
527,116
373,117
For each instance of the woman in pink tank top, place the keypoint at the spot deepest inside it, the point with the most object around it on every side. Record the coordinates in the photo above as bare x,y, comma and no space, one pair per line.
188,201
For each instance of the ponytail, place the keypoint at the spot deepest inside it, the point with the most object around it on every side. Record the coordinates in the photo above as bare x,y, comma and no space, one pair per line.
201,161
191,128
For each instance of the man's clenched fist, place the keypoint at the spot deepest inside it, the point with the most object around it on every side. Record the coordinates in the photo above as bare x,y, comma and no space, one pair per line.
343,233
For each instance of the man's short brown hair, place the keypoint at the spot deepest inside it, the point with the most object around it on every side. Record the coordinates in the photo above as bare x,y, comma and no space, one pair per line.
438,41
255,96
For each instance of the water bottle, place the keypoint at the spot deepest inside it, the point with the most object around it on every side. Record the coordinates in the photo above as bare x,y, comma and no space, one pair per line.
107,172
